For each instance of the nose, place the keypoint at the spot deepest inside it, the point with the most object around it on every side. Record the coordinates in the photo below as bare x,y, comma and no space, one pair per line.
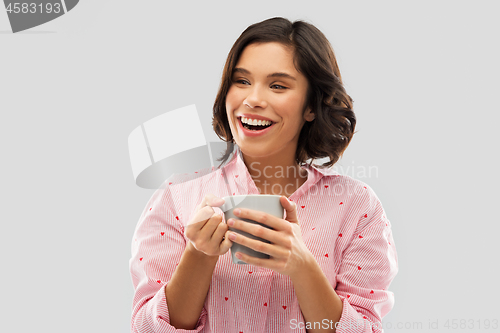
255,98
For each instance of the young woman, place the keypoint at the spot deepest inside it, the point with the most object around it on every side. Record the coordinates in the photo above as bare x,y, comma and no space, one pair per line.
332,257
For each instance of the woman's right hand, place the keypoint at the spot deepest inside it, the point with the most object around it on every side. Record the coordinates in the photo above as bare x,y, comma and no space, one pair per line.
206,230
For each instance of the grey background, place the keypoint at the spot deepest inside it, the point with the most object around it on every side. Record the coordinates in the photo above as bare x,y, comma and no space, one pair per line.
424,78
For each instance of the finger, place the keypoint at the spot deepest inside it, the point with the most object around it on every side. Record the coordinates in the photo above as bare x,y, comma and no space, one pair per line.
266,263
254,244
201,217
257,230
269,220
290,209
219,232
226,243
211,200
209,228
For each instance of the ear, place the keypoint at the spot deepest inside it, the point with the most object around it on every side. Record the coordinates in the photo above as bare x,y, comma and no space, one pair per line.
309,115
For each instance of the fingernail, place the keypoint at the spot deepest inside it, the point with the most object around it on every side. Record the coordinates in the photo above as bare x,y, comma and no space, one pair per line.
237,211
230,222
238,255
232,236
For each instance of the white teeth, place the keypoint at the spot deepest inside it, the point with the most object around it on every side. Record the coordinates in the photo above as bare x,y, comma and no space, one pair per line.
255,122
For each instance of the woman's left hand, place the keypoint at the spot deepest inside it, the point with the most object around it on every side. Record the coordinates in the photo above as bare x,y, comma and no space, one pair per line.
288,253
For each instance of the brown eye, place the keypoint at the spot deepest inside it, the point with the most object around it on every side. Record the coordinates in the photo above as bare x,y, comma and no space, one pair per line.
241,81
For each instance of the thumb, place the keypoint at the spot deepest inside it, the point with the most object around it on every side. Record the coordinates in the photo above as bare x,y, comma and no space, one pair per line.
226,243
291,210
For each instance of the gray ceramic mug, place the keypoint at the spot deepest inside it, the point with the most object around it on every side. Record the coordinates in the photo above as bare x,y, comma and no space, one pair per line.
262,202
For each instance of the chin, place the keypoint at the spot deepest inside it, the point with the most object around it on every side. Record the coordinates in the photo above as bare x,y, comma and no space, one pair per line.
256,152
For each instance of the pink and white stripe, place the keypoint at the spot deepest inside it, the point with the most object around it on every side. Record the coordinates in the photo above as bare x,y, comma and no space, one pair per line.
343,224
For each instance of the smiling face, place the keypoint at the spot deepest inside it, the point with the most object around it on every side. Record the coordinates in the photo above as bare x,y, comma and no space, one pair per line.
266,85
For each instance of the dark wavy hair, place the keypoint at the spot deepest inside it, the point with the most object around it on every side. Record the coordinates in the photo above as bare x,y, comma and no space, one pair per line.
329,134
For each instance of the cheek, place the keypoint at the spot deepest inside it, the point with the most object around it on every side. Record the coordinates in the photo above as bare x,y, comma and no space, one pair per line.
231,99
231,105
297,101
291,105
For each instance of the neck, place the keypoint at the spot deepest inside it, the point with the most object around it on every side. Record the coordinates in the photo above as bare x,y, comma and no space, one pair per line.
275,175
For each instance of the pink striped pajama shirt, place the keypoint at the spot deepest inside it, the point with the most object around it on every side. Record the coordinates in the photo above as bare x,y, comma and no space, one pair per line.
343,224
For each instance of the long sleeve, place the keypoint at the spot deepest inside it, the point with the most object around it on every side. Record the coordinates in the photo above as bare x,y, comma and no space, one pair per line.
368,266
347,232
157,246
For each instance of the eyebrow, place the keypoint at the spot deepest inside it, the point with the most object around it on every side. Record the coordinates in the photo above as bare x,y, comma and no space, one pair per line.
277,74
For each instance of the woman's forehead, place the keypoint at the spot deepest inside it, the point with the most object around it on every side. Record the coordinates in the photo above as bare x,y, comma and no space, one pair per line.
271,56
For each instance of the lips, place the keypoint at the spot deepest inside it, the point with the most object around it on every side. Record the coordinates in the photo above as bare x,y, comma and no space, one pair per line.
248,132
